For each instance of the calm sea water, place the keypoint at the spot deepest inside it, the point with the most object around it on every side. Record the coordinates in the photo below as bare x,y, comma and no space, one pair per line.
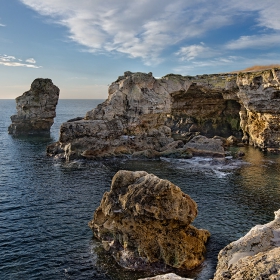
45,204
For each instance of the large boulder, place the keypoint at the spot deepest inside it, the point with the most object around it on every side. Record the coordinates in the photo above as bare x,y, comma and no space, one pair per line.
203,146
145,223
35,109
254,256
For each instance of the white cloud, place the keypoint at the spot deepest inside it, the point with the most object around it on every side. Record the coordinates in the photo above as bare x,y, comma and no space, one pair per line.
231,63
191,52
255,41
145,29
8,60
30,60
2,25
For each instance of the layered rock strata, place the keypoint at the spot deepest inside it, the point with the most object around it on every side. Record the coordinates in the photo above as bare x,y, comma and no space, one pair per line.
145,223
259,95
148,116
35,109
254,256
144,116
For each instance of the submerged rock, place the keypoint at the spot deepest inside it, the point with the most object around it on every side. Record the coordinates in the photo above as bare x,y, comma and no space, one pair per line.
35,109
145,223
254,256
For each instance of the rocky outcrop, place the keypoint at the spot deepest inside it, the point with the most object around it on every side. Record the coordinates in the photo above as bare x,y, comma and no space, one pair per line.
254,256
169,276
144,116
140,207
35,109
259,95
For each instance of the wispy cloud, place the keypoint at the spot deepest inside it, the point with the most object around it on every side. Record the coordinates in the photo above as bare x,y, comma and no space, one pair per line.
145,29
8,60
255,41
30,60
2,25
188,53
231,63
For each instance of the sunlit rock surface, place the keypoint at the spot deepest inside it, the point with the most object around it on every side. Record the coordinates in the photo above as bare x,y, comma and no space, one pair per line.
145,223
254,256
144,116
259,94
35,109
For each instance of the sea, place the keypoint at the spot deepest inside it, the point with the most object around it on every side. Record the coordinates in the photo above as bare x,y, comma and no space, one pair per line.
46,204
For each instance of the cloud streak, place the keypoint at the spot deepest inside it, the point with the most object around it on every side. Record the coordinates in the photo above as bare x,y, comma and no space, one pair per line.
30,60
11,61
191,52
145,29
255,41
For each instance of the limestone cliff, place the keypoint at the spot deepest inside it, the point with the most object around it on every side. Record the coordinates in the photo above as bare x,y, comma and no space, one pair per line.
140,207
259,95
35,109
144,116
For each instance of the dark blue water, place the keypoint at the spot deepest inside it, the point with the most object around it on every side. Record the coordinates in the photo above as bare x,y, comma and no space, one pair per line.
45,204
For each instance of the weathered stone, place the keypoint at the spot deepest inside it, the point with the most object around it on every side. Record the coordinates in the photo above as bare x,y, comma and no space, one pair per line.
259,95
232,140
254,256
140,207
147,114
35,109
169,276
203,146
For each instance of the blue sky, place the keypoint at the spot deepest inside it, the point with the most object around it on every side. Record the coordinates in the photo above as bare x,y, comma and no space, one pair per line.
84,45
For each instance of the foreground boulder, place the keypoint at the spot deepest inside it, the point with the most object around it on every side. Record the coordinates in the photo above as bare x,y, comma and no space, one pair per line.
254,256
144,222
35,109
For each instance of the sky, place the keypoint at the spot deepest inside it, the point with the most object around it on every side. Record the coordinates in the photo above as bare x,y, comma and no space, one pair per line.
84,45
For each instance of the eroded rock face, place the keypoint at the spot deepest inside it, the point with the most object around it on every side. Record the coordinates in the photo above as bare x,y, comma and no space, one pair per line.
145,223
254,256
144,116
259,95
35,109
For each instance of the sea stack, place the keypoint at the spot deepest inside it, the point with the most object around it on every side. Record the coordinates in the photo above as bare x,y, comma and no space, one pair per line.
35,109
145,223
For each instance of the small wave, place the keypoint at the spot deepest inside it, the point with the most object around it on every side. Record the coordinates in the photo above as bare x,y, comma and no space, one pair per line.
219,167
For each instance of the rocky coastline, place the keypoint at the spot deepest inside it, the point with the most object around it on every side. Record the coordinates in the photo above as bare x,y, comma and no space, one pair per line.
148,117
